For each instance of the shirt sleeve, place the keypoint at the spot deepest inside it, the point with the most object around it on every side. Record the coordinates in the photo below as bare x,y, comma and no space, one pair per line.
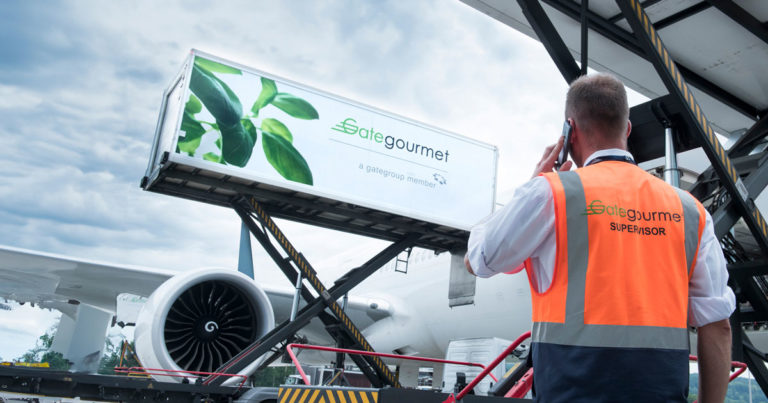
502,241
709,299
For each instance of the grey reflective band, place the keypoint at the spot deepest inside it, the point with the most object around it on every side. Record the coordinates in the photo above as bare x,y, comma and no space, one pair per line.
578,246
574,332
615,336
691,221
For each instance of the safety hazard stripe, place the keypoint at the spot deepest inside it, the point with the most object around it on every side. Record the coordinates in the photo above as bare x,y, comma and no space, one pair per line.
696,112
309,273
326,395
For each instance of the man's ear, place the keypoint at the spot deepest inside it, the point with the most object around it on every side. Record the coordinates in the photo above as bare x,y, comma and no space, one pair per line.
573,129
629,128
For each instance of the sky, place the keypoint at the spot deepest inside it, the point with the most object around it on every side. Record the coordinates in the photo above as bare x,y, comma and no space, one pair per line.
80,90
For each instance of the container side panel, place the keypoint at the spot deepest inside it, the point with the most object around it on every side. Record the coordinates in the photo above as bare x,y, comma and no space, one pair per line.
248,124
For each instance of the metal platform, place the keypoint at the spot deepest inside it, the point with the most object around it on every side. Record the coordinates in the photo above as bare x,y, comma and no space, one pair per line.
214,188
37,381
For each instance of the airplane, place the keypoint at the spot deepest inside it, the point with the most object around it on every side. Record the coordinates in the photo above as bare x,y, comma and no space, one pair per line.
398,312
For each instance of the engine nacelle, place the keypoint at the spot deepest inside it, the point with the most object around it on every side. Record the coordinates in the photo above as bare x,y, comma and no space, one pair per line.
197,321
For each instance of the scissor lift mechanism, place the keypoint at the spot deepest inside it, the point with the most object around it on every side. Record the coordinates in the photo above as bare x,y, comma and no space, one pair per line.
296,266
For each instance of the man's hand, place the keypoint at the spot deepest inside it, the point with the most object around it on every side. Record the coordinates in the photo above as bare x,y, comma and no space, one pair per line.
547,163
469,267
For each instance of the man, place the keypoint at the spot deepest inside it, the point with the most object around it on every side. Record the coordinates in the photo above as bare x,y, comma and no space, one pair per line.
619,262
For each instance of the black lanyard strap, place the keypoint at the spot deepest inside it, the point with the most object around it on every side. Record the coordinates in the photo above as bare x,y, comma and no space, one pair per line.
622,158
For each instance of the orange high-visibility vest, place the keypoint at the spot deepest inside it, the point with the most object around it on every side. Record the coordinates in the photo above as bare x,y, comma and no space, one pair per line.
614,319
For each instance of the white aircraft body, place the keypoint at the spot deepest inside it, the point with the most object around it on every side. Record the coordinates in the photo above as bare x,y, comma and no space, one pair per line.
403,313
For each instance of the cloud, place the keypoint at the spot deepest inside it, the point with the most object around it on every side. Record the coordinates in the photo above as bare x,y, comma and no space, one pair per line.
21,327
80,90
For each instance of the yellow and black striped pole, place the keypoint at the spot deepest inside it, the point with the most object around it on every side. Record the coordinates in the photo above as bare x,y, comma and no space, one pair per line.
693,114
309,273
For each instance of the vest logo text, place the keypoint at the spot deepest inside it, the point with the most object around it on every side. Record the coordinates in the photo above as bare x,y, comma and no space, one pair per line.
597,207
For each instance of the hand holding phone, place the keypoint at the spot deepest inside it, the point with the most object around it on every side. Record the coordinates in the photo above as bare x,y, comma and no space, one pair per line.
563,156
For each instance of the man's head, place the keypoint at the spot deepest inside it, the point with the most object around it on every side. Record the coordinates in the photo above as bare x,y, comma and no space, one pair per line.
597,106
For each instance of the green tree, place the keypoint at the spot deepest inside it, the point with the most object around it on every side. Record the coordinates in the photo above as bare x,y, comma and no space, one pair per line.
41,352
272,376
111,357
738,391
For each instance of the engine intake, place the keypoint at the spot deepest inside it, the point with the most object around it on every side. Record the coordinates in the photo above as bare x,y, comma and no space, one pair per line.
199,320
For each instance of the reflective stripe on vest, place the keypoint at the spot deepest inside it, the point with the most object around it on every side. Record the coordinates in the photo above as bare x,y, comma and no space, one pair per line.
573,329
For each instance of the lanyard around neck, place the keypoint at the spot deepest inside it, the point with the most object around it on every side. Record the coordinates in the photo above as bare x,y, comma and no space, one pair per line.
622,158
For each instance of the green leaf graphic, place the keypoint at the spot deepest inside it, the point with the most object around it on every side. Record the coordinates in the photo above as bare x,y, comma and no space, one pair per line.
216,67
193,130
217,97
213,157
267,94
250,129
294,106
236,145
218,142
193,105
191,126
189,145
276,127
285,159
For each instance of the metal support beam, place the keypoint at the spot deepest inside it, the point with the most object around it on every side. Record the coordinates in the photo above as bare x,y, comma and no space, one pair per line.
754,294
681,15
748,269
326,297
296,296
620,16
737,351
755,360
584,36
245,256
726,216
671,172
746,142
742,17
626,40
752,316
693,114
551,40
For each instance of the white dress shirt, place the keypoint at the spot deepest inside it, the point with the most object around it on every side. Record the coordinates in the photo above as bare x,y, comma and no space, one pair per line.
525,227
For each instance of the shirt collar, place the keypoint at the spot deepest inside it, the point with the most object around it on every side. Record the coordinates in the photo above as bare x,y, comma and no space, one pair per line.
608,152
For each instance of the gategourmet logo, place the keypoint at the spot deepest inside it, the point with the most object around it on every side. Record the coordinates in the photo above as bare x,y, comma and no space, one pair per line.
597,207
349,126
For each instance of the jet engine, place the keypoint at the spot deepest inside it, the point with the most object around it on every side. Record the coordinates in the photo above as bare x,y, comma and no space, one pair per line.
199,320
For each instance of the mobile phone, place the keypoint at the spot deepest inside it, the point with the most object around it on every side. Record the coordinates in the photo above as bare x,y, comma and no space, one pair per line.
567,130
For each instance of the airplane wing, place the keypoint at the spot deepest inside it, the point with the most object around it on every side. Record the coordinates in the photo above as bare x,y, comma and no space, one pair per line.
54,280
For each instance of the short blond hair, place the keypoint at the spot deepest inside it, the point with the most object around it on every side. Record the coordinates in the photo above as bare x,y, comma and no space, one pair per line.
598,105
